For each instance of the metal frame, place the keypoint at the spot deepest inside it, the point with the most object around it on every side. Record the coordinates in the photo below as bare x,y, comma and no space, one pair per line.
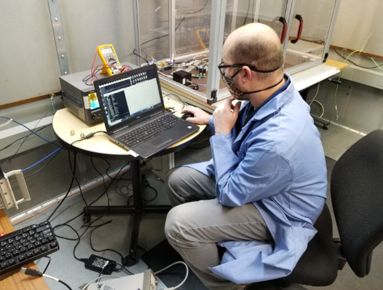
217,25
136,29
172,29
58,33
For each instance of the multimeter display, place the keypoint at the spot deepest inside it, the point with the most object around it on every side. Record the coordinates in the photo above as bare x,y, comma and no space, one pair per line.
108,53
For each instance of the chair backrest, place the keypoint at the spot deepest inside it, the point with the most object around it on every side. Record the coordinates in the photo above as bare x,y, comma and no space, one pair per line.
357,196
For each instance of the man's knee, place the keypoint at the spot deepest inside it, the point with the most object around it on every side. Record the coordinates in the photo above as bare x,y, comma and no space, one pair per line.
173,224
173,182
172,179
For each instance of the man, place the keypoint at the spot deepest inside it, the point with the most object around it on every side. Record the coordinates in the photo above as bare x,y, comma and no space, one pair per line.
265,185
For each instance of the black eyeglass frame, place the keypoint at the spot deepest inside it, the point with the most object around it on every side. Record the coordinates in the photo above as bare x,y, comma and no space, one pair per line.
253,68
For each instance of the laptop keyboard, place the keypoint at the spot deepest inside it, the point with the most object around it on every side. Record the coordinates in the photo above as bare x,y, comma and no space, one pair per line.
149,130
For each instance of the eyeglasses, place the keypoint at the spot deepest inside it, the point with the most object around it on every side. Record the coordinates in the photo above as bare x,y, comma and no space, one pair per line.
222,68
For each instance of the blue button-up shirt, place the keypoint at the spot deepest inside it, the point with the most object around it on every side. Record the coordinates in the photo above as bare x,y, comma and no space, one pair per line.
275,161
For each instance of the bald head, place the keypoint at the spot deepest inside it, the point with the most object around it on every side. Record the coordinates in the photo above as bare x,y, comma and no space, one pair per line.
255,44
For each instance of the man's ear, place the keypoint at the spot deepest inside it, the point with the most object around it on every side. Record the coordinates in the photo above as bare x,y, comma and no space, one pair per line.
247,74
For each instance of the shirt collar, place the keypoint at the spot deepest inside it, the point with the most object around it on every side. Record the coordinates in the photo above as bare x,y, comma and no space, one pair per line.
275,101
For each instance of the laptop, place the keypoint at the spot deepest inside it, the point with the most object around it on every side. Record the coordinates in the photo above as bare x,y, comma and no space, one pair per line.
132,102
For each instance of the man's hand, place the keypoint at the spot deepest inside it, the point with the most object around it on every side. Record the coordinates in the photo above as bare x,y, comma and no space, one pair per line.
225,116
200,117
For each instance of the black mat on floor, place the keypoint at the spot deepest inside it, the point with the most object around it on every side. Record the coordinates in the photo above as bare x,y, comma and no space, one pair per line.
163,255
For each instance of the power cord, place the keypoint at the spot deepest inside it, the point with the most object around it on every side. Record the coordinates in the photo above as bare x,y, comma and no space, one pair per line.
171,265
73,170
36,273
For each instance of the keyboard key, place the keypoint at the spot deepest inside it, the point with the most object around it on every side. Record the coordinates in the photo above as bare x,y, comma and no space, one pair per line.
3,265
11,261
43,228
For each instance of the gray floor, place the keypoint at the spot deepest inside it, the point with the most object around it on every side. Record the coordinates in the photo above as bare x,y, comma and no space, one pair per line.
115,235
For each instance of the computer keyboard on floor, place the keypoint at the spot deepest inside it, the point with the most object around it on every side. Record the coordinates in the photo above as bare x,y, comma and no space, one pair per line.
26,245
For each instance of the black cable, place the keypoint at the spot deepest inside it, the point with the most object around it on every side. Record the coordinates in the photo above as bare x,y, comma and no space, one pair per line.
123,269
145,250
247,13
67,193
65,284
103,250
119,190
108,185
90,76
72,219
207,1
130,197
78,239
32,132
358,65
44,166
10,144
155,193
107,169
103,180
136,54
73,170
49,262
78,236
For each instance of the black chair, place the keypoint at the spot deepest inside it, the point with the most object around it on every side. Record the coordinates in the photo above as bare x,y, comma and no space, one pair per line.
357,201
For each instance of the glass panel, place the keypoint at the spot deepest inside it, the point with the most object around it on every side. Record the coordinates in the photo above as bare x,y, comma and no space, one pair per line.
308,46
192,26
263,11
154,29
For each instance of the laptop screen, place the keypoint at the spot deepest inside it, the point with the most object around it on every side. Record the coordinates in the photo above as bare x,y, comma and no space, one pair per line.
129,96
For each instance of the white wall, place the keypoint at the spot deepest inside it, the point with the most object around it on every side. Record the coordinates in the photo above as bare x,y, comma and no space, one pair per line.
359,26
29,64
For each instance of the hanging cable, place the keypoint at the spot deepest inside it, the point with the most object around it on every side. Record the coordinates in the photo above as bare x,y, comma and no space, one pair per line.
41,160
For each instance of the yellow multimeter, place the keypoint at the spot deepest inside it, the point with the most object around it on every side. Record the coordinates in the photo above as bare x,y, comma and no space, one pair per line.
108,56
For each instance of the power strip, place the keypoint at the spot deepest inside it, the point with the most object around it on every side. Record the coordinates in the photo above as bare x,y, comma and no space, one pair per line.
143,281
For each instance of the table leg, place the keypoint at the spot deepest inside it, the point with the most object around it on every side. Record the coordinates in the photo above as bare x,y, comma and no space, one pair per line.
138,183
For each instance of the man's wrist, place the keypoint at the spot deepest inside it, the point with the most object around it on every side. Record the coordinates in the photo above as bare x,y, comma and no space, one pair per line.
225,135
219,132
